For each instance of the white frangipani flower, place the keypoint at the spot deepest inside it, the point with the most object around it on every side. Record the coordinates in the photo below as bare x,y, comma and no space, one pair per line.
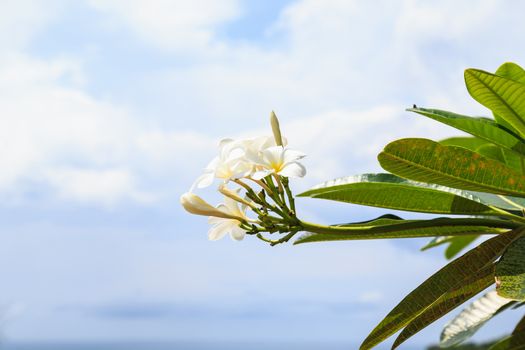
222,226
279,160
253,147
230,164
251,159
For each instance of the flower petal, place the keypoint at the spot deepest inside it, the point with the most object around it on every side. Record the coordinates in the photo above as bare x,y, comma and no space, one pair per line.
219,231
237,233
224,142
261,174
273,156
241,169
293,169
212,165
291,155
203,181
213,220
234,154
231,205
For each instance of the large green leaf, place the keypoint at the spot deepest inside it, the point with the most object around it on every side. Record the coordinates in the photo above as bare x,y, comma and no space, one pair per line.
514,72
428,161
510,272
448,278
516,341
472,318
387,227
397,231
483,128
505,97
453,298
393,192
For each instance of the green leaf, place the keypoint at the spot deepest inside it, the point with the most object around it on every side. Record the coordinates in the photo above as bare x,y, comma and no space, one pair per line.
505,97
455,244
483,128
448,278
383,231
390,191
516,341
428,161
513,160
492,152
471,143
472,318
514,72
437,241
508,203
510,272
511,71
453,298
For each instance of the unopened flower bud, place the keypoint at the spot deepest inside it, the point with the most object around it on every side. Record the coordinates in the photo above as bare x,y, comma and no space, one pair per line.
276,129
235,196
198,206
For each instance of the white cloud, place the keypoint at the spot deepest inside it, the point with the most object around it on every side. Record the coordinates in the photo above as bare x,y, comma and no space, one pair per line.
338,55
169,24
108,186
53,133
21,20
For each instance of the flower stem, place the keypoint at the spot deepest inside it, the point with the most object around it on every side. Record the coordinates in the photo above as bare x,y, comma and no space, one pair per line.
262,184
277,241
291,200
246,187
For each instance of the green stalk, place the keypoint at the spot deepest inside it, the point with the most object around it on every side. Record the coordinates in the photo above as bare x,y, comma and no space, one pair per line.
440,222
291,199
277,241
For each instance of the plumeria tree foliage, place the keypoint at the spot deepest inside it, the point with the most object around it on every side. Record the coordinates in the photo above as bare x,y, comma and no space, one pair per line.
477,181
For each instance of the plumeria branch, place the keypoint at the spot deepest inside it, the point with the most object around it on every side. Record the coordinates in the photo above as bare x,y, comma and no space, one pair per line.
267,163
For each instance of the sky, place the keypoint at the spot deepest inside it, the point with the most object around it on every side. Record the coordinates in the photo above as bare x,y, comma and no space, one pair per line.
109,109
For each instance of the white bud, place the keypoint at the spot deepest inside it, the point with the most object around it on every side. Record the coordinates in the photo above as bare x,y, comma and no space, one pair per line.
198,206
276,129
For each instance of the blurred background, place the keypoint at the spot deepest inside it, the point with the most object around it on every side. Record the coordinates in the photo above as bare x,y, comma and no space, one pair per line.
109,109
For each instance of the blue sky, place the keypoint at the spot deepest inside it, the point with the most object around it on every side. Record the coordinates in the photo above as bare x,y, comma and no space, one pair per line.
110,109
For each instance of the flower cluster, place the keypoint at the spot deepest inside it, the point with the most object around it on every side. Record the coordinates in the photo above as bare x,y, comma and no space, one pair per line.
263,162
